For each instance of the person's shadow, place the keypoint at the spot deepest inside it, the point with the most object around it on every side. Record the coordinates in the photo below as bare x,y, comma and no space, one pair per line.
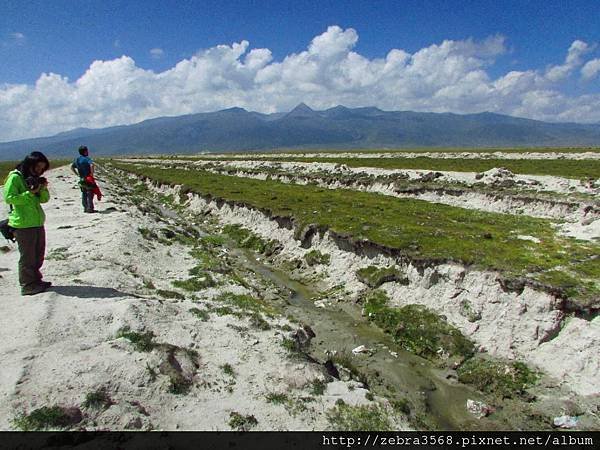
109,210
89,292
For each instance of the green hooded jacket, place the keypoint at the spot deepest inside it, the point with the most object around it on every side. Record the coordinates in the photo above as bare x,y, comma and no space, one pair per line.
26,211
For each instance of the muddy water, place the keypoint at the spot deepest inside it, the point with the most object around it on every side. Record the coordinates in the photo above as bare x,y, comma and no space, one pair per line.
439,403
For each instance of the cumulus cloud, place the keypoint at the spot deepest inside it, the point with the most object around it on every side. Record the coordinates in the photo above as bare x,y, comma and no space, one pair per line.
590,69
157,53
450,76
573,60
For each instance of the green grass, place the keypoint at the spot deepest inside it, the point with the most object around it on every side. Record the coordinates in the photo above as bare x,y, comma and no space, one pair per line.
359,418
245,303
41,419
417,329
242,423
315,257
374,276
228,370
170,294
503,379
258,322
247,239
557,167
200,314
97,399
143,342
197,283
277,398
416,229
318,387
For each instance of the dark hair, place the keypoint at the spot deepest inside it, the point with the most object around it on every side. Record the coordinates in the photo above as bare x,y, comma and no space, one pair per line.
30,162
82,150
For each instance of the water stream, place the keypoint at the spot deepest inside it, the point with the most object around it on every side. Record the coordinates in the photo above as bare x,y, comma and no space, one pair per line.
440,403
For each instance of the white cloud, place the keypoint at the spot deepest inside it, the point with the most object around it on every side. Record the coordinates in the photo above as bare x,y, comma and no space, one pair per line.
572,61
451,76
12,39
19,37
157,53
590,69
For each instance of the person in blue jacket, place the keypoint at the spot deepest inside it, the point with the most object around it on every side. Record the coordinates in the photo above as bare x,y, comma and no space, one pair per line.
83,166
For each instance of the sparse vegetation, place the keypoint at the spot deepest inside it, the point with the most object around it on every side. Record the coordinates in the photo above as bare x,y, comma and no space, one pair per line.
142,342
501,378
245,302
179,385
417,329
247,239
240,422
58,254
196,283
374,276
417,229
170,294
228,370
257,321
344,417
277,398
315,257
200,314
42,419
318,387
97,399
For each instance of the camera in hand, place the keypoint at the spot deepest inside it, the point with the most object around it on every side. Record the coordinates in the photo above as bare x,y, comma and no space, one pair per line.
34,182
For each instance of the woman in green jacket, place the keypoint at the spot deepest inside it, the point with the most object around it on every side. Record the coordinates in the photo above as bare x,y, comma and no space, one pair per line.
25,190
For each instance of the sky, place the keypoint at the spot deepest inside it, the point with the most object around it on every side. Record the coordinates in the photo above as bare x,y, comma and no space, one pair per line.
69,64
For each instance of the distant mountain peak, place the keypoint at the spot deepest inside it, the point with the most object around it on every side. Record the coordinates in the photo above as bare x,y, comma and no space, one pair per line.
302,110
235,109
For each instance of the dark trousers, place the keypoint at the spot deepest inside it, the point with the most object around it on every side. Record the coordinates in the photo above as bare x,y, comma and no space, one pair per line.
87,199
32,247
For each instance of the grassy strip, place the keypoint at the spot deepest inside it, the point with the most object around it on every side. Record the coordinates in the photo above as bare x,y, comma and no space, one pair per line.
557,167
437,150
420,230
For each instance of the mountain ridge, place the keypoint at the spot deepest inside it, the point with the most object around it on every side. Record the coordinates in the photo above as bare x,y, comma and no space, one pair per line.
339,127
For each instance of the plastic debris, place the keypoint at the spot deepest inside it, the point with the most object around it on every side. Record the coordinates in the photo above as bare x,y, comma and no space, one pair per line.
479,409
362,349
565,422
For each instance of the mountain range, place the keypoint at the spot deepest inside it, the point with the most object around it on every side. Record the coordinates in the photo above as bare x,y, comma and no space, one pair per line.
236,129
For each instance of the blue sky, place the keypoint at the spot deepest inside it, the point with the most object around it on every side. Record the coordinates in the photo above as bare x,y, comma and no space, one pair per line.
523,37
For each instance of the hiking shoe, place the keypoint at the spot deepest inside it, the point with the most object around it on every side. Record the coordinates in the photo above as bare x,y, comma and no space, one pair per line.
46,284
34,289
